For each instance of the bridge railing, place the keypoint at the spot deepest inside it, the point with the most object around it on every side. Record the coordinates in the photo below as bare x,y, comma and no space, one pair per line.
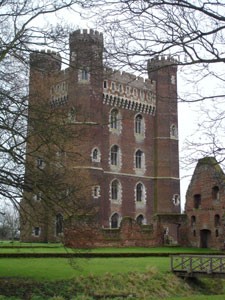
195,265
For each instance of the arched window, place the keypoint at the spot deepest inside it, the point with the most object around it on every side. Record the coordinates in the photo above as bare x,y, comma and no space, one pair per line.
217,220
114,119
115,190
215,193
114,221
139,124
138,159
59,224
95,156
173,131
140,192
114,155
140,219
193,221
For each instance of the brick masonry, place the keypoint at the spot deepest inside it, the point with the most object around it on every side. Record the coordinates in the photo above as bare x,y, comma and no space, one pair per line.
89,93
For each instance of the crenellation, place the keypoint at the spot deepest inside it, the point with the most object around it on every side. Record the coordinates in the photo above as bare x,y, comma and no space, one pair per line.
85,35
161,61
129,79
47,60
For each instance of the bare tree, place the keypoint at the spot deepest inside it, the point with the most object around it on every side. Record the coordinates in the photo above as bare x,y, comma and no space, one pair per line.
193,33
9,223
25,26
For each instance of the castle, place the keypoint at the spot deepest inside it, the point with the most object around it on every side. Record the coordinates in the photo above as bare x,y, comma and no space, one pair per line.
126,153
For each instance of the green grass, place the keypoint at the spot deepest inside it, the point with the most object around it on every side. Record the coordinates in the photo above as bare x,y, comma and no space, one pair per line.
123,272
59,248
198,297
62,268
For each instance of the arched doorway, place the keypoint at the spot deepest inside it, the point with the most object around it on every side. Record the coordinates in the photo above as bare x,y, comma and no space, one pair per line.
115,221
204,238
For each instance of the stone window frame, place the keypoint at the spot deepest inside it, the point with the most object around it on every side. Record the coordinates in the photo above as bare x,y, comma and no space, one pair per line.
139,126
36,231
115,193
40,163
176,199
95,155
83,75
115,121
173,131
139,162
140,193
96,191
115,157
38,196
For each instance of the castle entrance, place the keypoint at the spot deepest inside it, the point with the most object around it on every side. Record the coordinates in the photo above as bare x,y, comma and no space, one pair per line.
204,238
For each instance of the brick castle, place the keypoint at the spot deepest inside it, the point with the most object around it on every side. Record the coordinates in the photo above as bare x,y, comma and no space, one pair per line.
128,156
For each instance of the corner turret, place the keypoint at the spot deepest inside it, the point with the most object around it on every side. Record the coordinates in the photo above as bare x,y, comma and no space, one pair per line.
45,61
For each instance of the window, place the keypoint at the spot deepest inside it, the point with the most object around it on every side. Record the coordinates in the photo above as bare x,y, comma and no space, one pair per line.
114,155
84,75
176,199
140,192
115,190
59,224
96,191
217,233
38,196
215,193
193,221
96,156
40,163
36,231
197,201
140,219
217,220
105,84
114,119
139,124
113,86
138,159
114,221
173,131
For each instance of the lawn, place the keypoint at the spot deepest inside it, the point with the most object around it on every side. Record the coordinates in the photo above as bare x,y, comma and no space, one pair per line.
201,297
145,275
17,247
62,268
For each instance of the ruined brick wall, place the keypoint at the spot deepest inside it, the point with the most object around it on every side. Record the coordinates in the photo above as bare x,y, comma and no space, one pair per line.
205,204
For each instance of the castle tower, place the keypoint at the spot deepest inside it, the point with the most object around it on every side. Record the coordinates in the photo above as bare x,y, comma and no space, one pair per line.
86,71
166,163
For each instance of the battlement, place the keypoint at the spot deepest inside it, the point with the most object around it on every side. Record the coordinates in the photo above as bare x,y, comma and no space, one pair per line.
46,60
161,61
129,79
87,36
